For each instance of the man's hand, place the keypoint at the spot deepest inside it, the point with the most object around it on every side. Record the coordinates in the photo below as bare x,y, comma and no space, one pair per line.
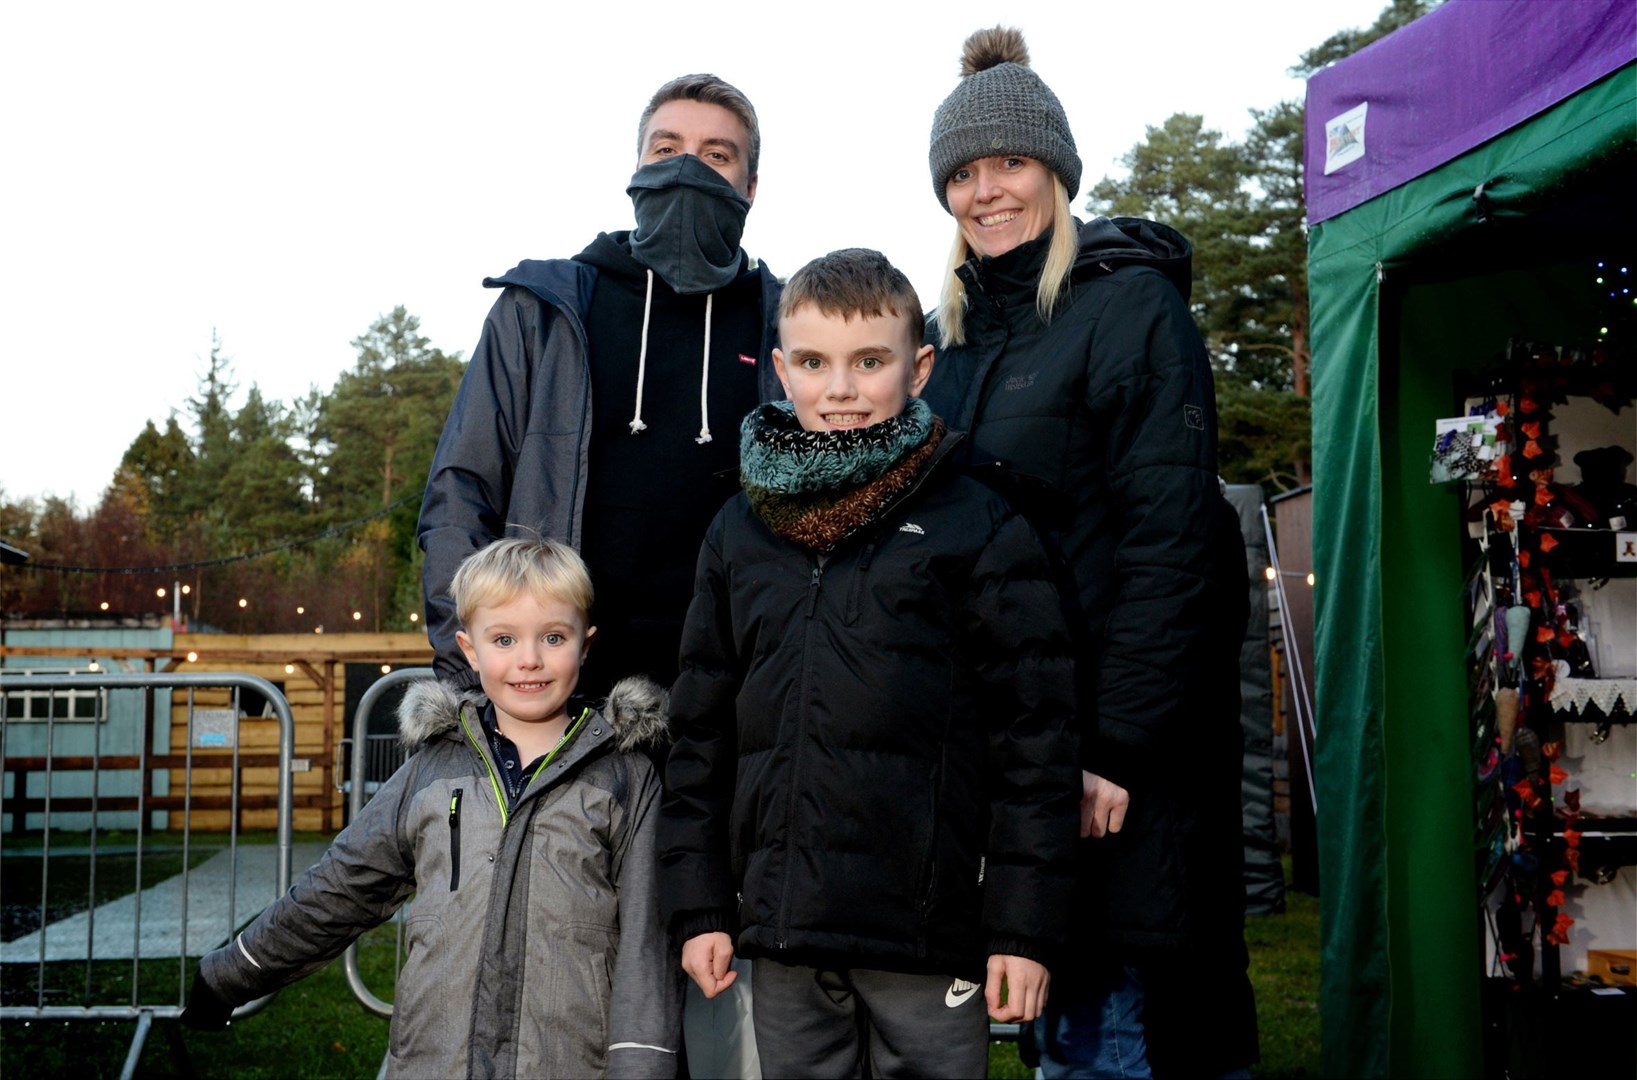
1025,985
1102,805
707,958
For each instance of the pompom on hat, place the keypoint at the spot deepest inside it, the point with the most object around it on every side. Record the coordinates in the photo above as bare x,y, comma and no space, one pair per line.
1000,106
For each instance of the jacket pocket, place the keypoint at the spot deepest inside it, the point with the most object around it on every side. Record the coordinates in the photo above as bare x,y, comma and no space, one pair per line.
928,888
423,1021
855,590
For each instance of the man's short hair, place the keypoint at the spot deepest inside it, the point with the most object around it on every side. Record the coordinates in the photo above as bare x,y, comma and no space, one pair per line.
712,91
507,568
854,281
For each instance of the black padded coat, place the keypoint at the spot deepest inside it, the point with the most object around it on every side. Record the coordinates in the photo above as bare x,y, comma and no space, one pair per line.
1104,420
874,748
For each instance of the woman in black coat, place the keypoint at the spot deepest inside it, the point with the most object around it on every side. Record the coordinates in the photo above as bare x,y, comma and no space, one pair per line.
1067,351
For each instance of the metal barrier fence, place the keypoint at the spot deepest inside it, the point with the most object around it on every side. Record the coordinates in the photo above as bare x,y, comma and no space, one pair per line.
360,789
61,790
382,756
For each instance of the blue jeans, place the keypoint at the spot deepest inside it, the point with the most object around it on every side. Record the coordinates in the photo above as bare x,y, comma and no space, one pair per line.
1096,1031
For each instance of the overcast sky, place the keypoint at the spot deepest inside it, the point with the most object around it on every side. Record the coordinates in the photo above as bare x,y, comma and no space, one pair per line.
286,173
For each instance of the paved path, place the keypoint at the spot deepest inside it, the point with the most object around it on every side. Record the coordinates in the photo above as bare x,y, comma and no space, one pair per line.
113,929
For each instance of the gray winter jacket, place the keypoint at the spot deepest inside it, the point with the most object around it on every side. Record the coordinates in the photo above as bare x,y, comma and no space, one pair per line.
535,946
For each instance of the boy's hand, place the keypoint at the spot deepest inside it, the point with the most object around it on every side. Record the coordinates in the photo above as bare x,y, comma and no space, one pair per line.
1102,805
206,1011
1025,983
707,958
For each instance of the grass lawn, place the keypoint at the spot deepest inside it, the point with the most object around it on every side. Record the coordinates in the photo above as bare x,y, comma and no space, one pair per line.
316,1028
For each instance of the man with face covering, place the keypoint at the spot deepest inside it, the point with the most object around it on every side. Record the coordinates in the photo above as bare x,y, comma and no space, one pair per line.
602,407
602,404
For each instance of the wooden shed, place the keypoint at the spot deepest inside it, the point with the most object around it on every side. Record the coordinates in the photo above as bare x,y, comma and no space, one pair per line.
312,671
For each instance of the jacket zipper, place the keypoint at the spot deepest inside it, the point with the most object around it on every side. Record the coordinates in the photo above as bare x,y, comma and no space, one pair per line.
494,781
454,839
813,587
795,751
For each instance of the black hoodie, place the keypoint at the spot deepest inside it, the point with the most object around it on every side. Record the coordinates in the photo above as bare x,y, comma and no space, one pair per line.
650,495
520,449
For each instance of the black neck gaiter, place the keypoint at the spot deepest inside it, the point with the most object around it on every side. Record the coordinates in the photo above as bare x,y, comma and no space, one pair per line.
689,220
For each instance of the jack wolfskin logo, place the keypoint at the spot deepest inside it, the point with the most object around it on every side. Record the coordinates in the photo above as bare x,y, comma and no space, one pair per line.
1020,382
1194,417
911,527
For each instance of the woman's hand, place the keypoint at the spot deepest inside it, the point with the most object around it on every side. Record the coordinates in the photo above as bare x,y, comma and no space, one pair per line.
1025,983
708,959
1102,805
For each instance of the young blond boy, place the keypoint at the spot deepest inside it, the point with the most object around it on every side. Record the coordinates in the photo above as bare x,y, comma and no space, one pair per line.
522,825
874,790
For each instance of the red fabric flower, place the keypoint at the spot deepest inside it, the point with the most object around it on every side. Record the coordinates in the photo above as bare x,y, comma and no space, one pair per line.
1547,543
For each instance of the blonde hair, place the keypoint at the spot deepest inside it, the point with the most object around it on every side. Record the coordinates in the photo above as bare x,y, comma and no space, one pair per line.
508,568
1054,273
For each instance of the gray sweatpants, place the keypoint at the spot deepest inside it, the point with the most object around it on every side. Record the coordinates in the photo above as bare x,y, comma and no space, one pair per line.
855,1022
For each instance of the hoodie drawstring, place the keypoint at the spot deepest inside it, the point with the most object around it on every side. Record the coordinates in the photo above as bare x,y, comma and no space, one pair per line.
704,368
642,355
704,377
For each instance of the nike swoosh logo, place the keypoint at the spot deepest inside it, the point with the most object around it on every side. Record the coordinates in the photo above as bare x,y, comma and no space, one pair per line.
954,999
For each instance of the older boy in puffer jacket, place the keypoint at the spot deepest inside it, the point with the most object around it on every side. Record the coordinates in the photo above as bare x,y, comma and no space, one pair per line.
523,825
873,790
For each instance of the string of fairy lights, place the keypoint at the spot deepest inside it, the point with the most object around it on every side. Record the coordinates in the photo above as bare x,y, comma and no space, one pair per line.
183,589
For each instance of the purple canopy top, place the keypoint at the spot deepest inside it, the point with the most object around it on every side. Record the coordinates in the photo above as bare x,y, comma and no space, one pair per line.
1456,77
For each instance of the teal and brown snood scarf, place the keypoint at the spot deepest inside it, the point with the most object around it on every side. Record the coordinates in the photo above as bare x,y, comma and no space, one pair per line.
816,488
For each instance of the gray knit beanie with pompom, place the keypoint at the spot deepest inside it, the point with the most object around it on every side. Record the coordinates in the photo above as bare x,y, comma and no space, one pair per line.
999,107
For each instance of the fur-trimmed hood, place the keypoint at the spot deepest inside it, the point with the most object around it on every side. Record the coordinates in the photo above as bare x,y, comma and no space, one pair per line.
635,709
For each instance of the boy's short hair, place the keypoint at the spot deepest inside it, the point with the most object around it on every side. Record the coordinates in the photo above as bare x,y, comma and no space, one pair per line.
510,567
711,91
854,281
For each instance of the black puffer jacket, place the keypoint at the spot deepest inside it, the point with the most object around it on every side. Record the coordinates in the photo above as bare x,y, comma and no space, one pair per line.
1105,422
864,739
